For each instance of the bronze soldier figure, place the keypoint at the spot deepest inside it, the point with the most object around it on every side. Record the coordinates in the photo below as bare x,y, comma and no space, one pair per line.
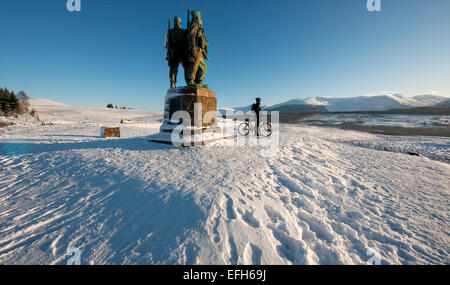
176,42
197,52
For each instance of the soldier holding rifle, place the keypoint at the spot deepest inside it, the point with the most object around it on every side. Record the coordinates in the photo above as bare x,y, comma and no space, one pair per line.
188,47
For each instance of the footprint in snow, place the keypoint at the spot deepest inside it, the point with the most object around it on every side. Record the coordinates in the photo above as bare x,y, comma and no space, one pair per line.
252,254
274,216
231,214
250,219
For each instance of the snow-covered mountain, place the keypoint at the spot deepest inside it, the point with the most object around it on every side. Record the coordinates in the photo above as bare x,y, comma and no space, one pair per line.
444,104
367,102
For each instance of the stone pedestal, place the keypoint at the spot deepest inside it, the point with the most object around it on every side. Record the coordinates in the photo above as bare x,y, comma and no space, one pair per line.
197,102
192,113
194,108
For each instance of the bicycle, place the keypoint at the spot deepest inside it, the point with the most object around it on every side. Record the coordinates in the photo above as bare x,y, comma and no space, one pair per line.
264,129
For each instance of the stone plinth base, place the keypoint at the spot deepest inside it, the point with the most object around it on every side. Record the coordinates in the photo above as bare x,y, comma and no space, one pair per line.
199,105
190,118
188,141
192,130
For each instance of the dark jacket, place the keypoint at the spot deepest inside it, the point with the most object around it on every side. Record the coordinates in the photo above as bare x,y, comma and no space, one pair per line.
256,107
176,43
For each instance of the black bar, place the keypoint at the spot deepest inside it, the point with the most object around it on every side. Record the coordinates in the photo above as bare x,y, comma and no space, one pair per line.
267,274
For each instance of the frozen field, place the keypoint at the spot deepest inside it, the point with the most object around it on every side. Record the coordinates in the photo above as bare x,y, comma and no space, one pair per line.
326,198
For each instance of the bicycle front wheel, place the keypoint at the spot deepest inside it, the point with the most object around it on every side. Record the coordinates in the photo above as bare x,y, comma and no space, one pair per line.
265,129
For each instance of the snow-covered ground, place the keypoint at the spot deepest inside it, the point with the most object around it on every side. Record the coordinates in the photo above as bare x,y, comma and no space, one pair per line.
321,200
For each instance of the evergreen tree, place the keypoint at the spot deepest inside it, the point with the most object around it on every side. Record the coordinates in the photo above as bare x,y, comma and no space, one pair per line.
9,104
13,103
2,101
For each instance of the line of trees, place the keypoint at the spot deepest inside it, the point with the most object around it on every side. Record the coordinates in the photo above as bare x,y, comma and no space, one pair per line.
8,102
112,107
12,104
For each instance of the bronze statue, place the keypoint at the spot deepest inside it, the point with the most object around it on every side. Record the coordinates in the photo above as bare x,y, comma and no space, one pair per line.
197,52
176,41
190,48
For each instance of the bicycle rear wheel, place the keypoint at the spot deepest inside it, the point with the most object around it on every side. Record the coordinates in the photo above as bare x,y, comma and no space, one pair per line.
244,129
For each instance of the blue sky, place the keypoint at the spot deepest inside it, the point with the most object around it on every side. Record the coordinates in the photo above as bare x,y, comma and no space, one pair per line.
113,50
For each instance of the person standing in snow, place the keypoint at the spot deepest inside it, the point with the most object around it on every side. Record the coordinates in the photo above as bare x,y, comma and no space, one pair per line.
256,107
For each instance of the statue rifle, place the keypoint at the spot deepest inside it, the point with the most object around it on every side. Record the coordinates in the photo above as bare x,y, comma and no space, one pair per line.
188,20
168,42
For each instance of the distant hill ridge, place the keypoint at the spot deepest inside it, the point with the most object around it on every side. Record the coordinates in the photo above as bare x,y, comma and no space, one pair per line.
383,102
44,102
